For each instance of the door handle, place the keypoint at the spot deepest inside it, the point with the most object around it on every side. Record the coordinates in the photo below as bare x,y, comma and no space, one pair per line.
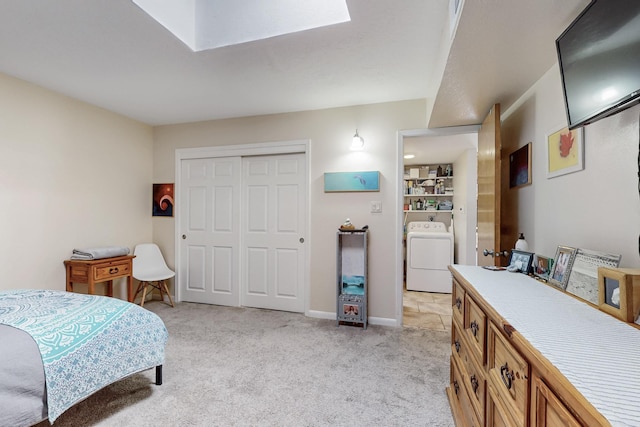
302,240
184,236
490,252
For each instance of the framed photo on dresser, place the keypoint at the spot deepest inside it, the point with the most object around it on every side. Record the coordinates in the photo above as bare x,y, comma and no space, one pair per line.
562,264
619,292
542,266
520,261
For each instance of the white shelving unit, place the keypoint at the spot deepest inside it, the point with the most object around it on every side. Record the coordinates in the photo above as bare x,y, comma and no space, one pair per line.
425,194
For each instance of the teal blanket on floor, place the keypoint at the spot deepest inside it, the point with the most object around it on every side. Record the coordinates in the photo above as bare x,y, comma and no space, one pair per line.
87,342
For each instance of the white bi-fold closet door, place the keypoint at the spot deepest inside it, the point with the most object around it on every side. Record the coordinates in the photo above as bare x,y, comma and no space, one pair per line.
242,231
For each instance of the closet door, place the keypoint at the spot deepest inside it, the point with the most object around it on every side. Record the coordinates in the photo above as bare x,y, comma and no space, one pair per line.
210,230
273,225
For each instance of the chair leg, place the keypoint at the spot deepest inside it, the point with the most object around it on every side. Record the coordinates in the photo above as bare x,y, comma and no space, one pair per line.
163,284
158,286
138,289
144,294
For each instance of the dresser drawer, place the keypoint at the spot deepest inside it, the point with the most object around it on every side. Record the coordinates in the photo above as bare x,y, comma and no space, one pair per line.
462,396
457,297
497,414
546,408
476,387
509,375
475,325
110,271
460,347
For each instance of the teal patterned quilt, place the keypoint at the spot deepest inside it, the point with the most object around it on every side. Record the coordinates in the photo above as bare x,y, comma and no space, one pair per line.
87,342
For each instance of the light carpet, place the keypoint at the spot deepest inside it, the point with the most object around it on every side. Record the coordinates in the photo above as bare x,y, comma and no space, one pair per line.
249,367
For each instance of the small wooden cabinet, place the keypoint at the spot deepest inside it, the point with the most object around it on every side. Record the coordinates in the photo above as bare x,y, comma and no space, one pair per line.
100,270
499,378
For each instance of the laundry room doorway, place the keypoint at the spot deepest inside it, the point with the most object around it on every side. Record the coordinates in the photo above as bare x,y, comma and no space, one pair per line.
438,149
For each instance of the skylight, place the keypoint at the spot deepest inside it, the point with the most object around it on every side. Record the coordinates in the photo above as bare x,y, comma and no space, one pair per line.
208,24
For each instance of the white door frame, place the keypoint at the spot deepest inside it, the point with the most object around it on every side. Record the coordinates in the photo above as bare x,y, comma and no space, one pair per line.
240,150
456,130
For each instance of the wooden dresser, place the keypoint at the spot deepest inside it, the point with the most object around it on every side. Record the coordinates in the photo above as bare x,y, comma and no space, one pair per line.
526,354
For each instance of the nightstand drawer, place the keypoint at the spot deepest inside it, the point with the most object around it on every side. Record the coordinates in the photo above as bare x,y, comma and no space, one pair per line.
112,271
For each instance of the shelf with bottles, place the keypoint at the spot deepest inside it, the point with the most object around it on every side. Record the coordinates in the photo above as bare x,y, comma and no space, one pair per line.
433,187
422,172
428,194
428,205
423,178
428,211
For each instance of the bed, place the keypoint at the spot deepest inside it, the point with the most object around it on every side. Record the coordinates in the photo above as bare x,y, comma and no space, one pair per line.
58,348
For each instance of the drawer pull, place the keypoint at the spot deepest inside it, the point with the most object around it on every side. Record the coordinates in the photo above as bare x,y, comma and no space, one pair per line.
456,387
457,345
458,303
113,270
474,328
474,383
507,376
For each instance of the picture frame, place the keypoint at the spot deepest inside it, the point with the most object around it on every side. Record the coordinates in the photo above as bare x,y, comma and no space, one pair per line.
162,200
520,261
619,292
350,309
583,281
542,266
520,167
562,263
565,151
335,182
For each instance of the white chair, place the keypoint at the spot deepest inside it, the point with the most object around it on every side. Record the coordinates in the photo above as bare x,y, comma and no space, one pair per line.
150,268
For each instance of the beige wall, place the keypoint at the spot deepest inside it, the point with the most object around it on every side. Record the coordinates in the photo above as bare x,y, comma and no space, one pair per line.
71,175
330,132
465,212
597,208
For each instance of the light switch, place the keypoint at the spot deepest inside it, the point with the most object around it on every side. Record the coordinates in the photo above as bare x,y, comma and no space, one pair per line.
376,207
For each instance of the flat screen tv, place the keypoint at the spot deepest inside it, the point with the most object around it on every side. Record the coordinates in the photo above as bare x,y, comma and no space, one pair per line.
599,57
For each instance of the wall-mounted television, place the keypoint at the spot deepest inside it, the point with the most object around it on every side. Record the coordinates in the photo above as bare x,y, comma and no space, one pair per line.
599,57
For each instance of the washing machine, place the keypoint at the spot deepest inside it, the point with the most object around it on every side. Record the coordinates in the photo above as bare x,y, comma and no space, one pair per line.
429,253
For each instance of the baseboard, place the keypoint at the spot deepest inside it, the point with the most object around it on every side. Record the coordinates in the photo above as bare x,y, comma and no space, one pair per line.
382,321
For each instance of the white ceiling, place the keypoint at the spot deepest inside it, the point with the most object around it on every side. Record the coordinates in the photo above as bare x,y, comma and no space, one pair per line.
112,54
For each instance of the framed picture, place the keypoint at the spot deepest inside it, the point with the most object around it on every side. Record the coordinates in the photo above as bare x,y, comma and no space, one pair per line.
562,264
350,309
520,261
162,204
565,151
351,181
520,167
619,292
542,266
583,281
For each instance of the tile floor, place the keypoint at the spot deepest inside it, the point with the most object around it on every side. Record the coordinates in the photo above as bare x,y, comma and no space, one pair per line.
426,310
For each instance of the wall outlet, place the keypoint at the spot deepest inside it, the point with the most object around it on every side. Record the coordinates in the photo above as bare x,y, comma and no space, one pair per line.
376,207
